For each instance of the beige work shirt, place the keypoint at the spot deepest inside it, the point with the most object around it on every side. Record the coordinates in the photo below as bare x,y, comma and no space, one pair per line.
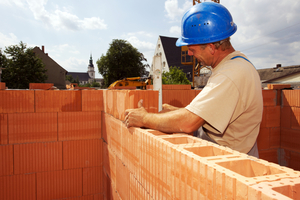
231,103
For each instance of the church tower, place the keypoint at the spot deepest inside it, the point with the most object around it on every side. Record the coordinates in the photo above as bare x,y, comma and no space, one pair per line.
91,70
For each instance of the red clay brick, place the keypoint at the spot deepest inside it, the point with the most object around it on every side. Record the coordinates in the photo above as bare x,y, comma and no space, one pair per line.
57,101
295,118
92,100
269,97
274,137
42,86
291,98
294,161
37,157
153,102
18,187
92,180
290,159
278,86
105,157
108,101
285,117
82,153
122,180
59,184
16,101
284,189
122,103
271,117
6,160
270,155
290,139
104,126
172,87
79,125
91,197
115,138
3,129
98,197
107,187
2,86
32,127
263,139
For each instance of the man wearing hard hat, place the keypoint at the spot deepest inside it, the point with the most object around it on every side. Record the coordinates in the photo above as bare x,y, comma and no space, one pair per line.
228,111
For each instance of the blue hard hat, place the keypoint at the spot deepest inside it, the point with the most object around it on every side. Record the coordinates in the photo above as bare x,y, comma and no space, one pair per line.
204,23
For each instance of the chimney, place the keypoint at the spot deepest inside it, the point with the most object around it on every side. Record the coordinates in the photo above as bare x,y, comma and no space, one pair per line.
43,49
278,66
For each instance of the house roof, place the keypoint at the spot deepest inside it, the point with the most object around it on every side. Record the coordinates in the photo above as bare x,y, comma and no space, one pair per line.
45,55
270,74
82,76
173,54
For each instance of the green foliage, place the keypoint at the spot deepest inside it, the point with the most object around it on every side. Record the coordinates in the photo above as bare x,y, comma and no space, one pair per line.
175,76
71,79
3,60
121,60
93,84
22,67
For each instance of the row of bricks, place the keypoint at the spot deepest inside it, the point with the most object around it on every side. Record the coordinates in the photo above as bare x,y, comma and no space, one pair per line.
258,191
15,101
171,87
117,101
20,101
80,184
164,169
45,127
49,156
291,98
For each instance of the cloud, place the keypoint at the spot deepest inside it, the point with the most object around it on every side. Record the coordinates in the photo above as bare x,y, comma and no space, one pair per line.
175,30
141,33
7,40
175,12
60,19
134,41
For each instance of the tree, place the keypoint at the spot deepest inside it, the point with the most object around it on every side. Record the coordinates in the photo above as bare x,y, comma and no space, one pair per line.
3,63
22,67
175,76
121,60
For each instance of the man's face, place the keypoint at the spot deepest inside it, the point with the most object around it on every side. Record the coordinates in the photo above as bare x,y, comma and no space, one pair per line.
200,52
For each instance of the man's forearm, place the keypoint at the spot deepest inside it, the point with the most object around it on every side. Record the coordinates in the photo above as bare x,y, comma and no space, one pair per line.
179,120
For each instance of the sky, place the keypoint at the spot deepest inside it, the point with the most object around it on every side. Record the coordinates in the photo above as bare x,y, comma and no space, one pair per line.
268,30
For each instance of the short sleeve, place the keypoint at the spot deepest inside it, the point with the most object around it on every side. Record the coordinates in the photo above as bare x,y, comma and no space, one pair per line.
217,102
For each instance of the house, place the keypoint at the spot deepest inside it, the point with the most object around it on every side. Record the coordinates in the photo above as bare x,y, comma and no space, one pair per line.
280,75
86,77
56,74
171,56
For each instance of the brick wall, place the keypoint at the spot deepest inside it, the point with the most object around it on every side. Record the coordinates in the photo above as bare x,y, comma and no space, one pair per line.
74,145
51,145
290,129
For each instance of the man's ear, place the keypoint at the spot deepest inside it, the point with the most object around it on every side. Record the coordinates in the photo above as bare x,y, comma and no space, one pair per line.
212,48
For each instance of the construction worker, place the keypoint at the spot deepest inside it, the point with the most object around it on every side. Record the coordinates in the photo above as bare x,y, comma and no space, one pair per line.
228,111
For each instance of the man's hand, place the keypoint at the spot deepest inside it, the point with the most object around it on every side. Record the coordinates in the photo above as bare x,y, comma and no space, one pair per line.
134,117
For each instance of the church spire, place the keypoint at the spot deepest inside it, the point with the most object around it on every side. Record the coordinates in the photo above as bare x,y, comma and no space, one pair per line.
91,70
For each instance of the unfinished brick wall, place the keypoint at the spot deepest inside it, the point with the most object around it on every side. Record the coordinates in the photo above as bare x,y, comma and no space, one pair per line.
50,145
147,164
290,129
74,145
